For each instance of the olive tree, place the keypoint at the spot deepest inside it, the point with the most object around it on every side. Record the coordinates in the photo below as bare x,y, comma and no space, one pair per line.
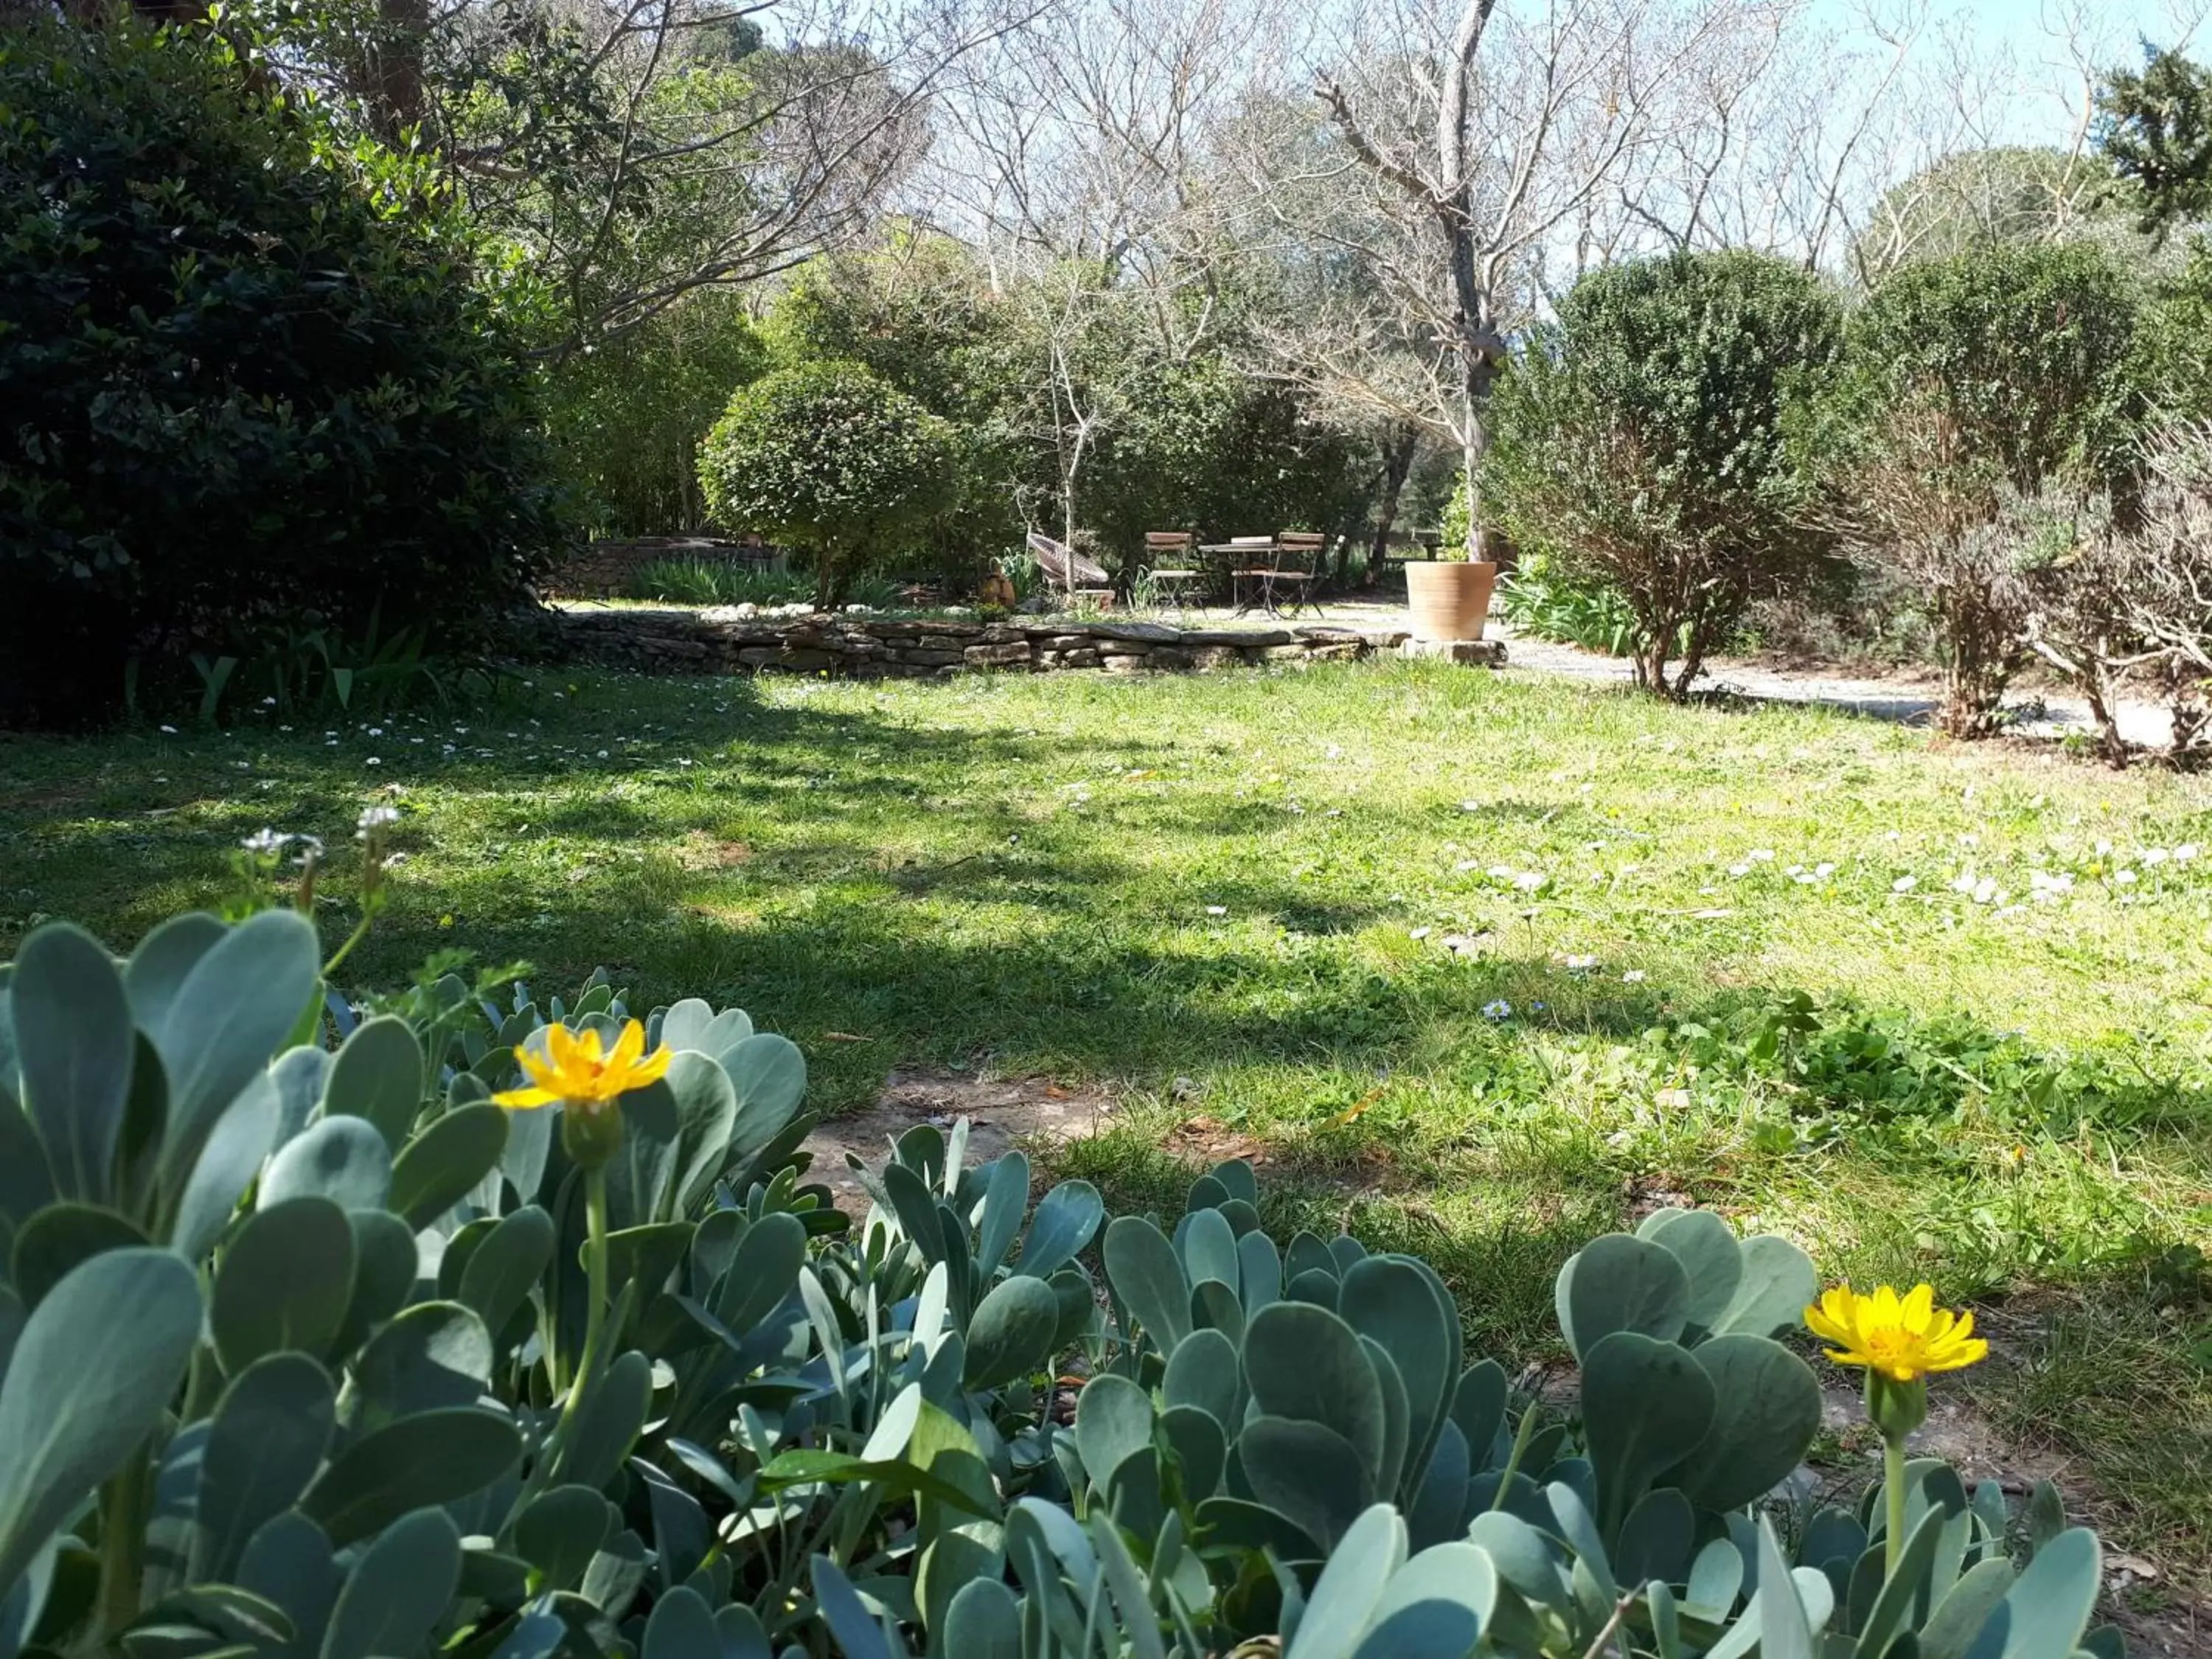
829,457
1640,441
1969,384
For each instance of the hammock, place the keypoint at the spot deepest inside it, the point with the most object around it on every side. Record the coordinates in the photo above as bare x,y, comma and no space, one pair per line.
1064,565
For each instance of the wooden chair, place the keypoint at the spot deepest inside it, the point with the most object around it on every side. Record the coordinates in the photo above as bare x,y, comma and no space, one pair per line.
1171,558
1296,568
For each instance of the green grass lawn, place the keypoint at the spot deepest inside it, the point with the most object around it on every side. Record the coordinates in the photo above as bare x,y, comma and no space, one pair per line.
1297,909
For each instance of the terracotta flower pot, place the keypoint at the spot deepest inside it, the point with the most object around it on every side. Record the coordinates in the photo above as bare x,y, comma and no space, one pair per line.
1449,601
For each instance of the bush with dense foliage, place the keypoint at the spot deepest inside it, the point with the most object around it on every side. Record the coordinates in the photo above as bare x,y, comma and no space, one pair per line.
829,457
253,381
1968,384
484,1326
629,413
921,315
1640,441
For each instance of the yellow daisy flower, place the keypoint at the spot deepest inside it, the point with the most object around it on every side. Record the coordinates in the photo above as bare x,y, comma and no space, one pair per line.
1903,1338
574,1072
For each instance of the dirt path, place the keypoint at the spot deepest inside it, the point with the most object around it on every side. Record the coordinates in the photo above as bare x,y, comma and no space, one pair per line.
1909,698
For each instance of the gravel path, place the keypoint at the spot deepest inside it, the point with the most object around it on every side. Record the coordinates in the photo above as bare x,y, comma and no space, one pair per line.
1909,699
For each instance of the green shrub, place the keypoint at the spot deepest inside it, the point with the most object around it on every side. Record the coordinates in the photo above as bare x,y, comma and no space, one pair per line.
628,415
1546,603
253,379
1640,442
316,1346
923,315
829,457
713,581
1972,387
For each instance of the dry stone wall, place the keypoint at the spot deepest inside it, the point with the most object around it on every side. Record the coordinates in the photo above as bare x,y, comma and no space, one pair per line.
722,641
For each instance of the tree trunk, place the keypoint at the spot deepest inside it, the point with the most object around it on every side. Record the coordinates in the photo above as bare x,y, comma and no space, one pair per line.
1398,455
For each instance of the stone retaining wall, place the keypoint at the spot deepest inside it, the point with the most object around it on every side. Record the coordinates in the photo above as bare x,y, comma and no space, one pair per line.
722,642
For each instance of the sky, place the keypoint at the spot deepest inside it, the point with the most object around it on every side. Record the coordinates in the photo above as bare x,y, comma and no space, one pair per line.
2044,40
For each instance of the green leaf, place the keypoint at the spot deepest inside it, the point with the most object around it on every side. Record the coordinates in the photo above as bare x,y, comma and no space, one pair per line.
1619,1283
1435,1607
1203,1372
1401,1304
1011,1333
1712,1258
706,1115
768,1076
74,1042
236,1007
398,1593
288,1562
1305,1363
58,1239
1478,1408
25,1186
436,1457
1112,1423
681,1627
984,1621
1767,1411
562,1530
264,1443
609,1422
443,1164
856,1629
386,1265
97,1366
1784,1631
343,1159
1200,1447
1142,1267
1006,1196
1209,1250
763,1274
2044,1614
165,957
1960,1617
229,1160
507,1266
649,1257
1646,1404
283,1283
379,1077
431,1356
1350,1586
1307,1473
1065,1222
1778,1285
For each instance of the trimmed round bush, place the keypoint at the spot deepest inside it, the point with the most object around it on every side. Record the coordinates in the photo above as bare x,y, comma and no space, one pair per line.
1641,442
251,382
829,457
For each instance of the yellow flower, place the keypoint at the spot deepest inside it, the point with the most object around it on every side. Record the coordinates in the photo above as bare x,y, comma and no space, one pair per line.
1901,1338
575,1072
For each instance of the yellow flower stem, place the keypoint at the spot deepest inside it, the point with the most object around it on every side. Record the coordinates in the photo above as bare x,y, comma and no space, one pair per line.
1893,1478
595,1317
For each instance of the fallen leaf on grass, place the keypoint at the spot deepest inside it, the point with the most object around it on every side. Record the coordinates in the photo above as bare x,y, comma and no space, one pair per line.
1352,1113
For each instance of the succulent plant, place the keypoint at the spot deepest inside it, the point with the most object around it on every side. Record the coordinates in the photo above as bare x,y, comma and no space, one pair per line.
307,1347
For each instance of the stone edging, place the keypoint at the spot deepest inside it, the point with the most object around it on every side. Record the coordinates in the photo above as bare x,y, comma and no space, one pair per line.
720,642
